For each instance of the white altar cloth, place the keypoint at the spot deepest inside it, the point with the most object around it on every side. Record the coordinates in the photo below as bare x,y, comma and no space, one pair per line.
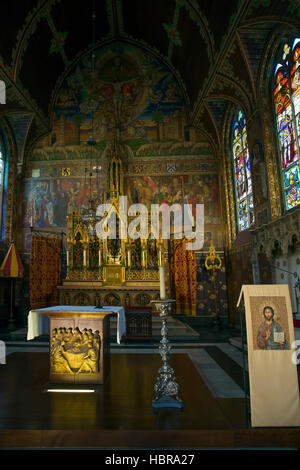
39,323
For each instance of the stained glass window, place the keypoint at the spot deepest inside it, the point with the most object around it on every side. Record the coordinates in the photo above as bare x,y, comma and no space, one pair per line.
242,172
286,96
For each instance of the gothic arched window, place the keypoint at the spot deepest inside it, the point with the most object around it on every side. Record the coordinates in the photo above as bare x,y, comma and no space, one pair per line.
286,96
242,172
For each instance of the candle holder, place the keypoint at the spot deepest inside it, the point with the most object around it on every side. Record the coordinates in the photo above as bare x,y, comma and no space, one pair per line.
166,388
213,264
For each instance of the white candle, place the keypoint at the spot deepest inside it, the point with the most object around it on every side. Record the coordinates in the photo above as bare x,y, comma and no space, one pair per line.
84,257
143,258
128,258
162,284
99,258
68,258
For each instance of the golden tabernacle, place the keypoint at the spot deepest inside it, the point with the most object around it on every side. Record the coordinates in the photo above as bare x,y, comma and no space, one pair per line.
114,270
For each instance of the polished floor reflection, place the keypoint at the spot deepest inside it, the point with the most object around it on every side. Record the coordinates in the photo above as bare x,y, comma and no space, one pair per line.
123,402
120,414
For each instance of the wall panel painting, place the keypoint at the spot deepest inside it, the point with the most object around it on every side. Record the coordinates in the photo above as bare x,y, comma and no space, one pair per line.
192,189
47,201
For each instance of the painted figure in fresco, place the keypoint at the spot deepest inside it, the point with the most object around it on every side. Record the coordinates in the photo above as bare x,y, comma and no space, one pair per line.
61,209
169,190
29,211
48,202
46,212
192,199
146,194
215,199
162,196
50,209
134,195
205,195
42,213
266,335
34,200
176,185
178,198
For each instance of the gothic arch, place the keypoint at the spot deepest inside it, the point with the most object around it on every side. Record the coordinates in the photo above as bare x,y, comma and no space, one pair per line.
11,202
130,41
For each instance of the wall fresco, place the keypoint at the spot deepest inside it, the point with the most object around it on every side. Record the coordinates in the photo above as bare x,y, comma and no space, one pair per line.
192,189
128,90
47,201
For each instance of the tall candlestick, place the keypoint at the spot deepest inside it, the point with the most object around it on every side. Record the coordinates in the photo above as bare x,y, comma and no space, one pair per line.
162,284
166,387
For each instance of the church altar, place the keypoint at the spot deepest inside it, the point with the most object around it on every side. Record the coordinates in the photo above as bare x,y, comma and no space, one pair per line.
78,343
96,293
115,270
38,324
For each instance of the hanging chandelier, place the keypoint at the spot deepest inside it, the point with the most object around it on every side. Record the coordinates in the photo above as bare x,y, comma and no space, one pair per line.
88,211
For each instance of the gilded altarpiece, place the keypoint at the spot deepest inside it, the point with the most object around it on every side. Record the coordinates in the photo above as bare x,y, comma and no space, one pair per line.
157,164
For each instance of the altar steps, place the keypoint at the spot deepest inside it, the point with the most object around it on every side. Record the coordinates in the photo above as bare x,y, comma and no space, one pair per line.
177,330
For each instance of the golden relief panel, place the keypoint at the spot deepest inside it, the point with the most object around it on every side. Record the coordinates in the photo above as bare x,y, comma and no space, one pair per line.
142,275
114,275
85,275
77,297
74,352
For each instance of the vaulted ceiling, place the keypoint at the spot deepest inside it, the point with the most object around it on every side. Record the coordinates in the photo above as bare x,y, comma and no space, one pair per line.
204,42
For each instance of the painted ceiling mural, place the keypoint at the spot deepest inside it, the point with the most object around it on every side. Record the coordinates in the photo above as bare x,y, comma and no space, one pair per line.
126,89
200,41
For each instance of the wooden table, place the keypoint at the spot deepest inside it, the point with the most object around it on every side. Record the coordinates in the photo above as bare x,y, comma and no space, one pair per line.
78,344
